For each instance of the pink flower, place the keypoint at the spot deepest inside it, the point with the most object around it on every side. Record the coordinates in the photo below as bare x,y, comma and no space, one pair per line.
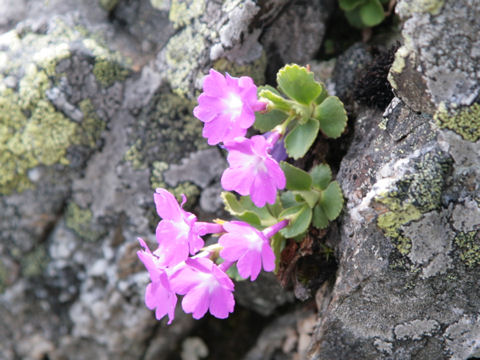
249,247
205,287
252,170
158,295
176,234
227,106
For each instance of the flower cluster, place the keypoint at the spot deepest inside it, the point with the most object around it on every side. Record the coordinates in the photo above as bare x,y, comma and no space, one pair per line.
227,107
181,265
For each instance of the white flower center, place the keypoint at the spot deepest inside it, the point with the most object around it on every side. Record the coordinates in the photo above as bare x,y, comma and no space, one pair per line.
234,104
254,241
183,229
208,281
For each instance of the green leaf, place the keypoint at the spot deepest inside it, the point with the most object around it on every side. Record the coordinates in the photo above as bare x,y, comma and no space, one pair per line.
236,209
300,217
267,121
266,218
288,199
301,137
298,83
319,219
332,200
321,176
276,208
354,18
310,197
323,95
372,13
332,116
279,103
297,179
347,5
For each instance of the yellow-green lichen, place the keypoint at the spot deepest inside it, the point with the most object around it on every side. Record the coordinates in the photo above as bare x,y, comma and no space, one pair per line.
399,214
410,7
465,122
47,135
107,72
166,130
191,191
27,142
89,130
80,221
34,262
134,155
398,65
469,245
32,131
110,66
415,194
108,5
182,12
180,51
156,177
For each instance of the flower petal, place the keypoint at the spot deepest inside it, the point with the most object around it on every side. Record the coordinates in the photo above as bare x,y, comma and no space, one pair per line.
196,301
166,205
221,303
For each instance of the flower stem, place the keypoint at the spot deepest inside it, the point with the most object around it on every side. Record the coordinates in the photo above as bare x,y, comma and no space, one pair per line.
282,128
226,265
204,228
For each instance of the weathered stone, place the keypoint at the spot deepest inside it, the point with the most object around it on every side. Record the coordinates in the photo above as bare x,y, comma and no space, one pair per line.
438,61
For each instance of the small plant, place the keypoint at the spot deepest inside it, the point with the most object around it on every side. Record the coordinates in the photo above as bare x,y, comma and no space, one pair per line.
290,118
364,13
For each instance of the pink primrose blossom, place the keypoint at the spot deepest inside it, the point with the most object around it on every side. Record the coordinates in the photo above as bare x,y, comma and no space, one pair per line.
176,234
252,170
158,295
249,247
227,106
206,287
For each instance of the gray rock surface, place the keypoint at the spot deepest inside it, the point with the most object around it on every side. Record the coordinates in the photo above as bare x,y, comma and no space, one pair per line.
408,257
96,101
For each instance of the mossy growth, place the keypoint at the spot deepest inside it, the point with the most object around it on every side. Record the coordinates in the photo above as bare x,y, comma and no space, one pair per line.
410,7
108,5
156,177
34,262
80,221
107,72
89,130
191,191
415,194
469,245
180,50
182,12
110,66
166,131
32,131
391,222
465,122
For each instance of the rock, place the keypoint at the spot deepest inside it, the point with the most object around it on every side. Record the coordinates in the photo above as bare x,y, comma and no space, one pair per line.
401,269
96,103
438,62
